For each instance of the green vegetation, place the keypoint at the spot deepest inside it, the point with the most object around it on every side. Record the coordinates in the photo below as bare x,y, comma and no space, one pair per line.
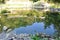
34,0
55,1
36,37
53,18
14,19
18,21
5,11
22,13
2,1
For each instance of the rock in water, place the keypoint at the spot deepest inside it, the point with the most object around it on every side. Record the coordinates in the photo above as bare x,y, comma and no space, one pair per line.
4,28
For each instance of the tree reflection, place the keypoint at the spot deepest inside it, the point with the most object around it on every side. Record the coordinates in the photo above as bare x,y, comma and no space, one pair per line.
50,18
17,22
53,18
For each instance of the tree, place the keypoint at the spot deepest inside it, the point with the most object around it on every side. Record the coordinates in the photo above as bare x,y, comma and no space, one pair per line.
2,1
55,1
53,18
35,0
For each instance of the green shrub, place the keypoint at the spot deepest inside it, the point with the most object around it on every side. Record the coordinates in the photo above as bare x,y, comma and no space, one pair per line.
5,11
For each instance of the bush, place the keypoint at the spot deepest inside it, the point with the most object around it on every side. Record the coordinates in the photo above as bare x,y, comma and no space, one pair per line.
5,11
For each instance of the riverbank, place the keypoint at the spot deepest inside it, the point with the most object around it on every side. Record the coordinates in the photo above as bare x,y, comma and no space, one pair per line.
13,36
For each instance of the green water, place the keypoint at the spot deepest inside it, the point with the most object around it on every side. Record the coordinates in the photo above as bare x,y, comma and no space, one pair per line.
17,22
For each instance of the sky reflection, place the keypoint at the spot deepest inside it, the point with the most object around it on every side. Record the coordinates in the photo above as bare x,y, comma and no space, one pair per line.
35,28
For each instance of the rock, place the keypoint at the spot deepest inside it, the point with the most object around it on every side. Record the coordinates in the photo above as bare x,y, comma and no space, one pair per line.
42,36
51,39
11,39
9,30
2,35
4,28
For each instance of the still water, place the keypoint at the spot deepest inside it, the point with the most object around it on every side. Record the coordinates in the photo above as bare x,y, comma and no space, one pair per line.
35,28
50,25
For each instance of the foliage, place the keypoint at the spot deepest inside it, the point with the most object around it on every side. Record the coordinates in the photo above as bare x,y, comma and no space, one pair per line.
17,22
34,0
53,18
55,1
35,37
2,1
5,11
14,22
